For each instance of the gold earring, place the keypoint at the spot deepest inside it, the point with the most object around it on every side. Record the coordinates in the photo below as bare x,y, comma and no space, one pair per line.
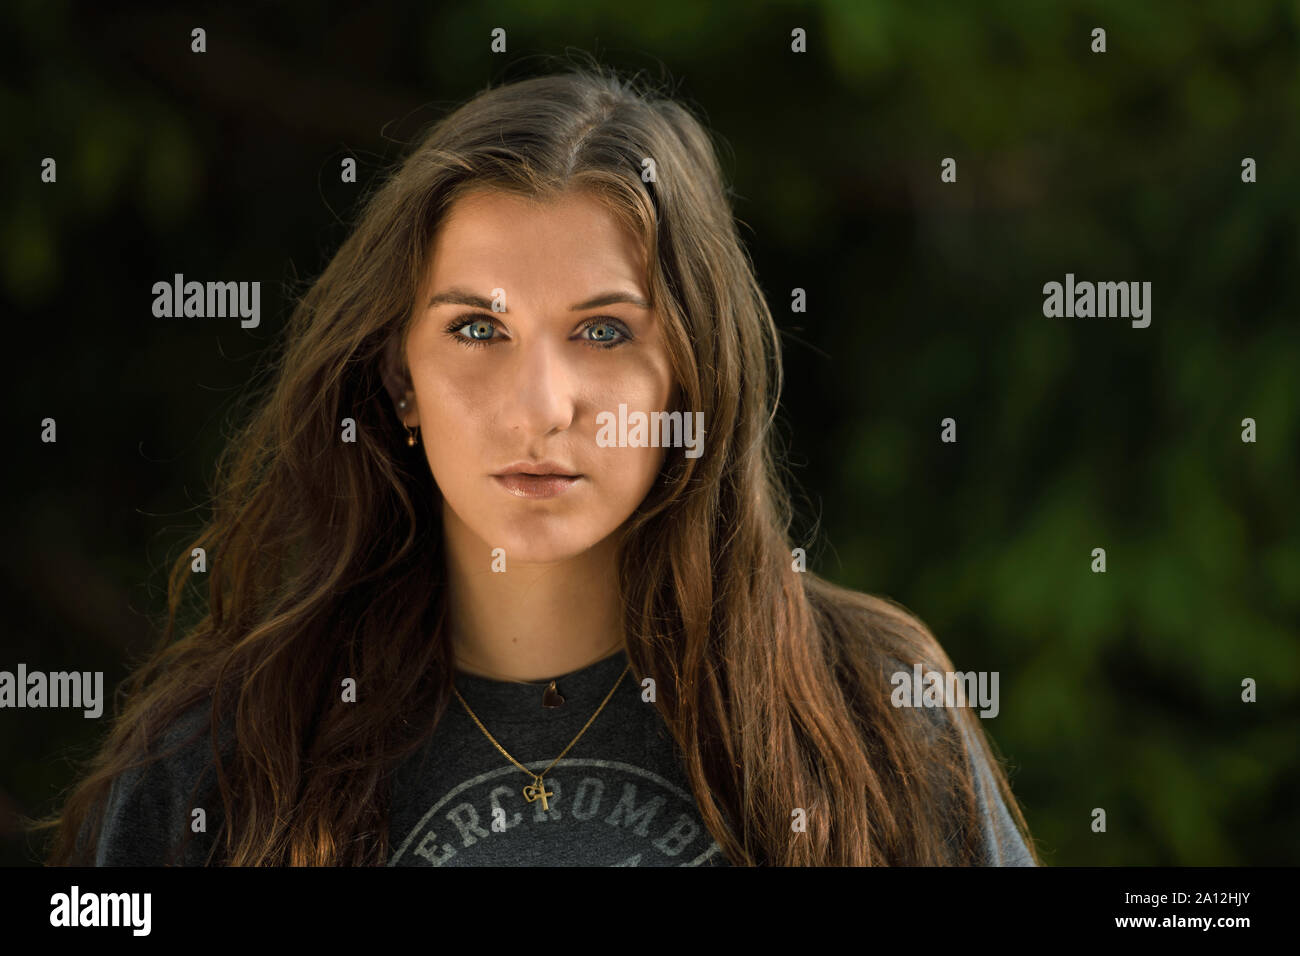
410,435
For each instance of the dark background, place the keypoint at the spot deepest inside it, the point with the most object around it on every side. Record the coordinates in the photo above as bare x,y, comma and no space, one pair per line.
1118,690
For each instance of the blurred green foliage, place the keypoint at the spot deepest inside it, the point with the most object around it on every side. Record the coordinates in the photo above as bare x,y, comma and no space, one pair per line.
1120,690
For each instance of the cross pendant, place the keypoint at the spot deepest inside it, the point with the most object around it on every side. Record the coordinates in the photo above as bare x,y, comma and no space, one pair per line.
538,789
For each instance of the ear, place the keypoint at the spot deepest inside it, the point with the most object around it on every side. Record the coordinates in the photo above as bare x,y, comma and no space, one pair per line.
397,381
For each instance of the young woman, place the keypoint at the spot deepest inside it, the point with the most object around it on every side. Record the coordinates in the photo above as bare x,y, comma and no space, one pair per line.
463,609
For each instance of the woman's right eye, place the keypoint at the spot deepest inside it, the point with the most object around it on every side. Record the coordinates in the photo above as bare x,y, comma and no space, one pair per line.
472,332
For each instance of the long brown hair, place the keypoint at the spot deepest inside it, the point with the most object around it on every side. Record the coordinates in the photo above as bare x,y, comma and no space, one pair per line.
774,682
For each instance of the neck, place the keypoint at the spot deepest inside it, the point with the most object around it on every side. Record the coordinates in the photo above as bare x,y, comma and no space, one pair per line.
534,621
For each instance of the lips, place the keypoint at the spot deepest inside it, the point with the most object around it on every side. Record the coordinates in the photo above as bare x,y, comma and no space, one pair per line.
525,485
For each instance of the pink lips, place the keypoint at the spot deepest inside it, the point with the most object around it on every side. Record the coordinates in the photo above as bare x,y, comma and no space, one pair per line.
537,486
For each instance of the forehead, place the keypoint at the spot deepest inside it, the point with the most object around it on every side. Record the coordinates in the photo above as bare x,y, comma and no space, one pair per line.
503,239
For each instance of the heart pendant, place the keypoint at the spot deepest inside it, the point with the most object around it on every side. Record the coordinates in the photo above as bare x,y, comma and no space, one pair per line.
552,697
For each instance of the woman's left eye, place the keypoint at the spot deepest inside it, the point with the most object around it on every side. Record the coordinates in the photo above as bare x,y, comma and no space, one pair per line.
609,334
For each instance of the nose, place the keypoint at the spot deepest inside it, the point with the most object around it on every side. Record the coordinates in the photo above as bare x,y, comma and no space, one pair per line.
541,399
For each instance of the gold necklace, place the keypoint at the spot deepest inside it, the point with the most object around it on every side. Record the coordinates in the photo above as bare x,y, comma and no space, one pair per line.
537,788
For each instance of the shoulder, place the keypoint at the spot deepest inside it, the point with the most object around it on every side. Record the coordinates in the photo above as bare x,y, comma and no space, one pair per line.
150,806
868,630
879,645
977,794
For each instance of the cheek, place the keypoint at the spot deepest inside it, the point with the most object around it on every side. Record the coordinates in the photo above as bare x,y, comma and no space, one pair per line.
456,389
455,410
457,402
625,471
640,379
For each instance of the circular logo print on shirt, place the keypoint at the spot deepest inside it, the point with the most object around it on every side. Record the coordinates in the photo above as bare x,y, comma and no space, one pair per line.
597,813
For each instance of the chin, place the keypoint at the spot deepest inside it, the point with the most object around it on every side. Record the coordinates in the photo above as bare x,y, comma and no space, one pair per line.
542,539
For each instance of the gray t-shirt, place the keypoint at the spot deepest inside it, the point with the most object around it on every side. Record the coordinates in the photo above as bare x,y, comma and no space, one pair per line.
618,798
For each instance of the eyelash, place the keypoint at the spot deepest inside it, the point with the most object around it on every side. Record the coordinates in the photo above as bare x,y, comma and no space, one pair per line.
453,329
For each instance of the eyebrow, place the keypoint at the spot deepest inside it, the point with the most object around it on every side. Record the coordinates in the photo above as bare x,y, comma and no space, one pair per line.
456,296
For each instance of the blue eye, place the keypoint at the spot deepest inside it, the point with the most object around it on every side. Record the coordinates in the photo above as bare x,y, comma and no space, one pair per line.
481,331
608,340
